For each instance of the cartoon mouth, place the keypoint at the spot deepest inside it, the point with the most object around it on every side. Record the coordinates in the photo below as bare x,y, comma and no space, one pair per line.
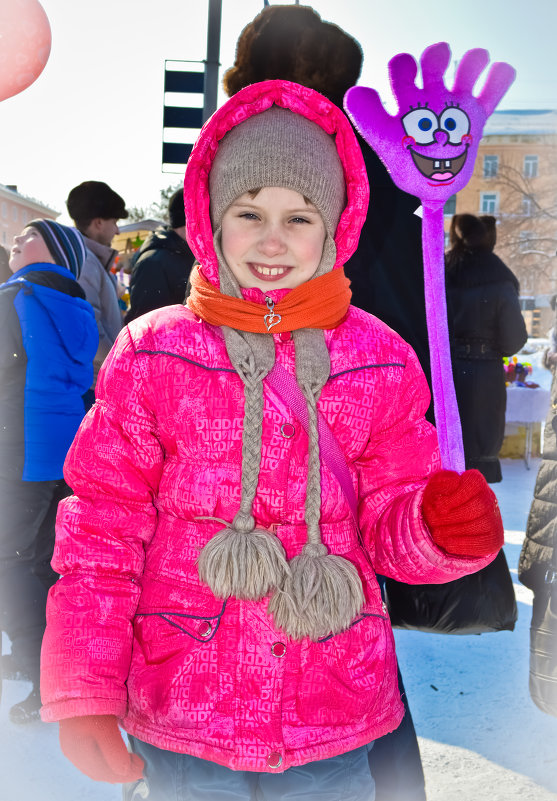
438,169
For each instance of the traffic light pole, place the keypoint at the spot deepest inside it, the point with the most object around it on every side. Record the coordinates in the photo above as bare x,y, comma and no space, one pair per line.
212,62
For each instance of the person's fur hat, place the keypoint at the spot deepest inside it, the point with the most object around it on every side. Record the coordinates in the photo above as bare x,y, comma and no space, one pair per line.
93,199
295,44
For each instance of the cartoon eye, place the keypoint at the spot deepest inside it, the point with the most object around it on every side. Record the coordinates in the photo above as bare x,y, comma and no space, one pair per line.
456,123
420,124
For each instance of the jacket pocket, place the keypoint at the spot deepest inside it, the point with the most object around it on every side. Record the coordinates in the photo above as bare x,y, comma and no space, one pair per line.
341,678
174,673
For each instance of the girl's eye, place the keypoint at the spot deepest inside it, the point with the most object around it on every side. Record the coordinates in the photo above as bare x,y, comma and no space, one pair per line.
299,220
248,215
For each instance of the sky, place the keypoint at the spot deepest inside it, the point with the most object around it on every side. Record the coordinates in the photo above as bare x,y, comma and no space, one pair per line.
95,113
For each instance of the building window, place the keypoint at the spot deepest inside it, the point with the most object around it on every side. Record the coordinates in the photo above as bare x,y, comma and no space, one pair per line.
527,205
4,210
527,303
525,240
450,206
530,166
489,202
491,165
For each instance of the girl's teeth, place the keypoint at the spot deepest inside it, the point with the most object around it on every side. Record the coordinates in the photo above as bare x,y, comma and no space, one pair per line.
270,270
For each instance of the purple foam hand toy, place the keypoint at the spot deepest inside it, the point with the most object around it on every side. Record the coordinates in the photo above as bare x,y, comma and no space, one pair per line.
429,148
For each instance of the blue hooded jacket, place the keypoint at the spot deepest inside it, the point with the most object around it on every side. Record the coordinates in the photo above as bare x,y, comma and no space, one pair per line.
49,338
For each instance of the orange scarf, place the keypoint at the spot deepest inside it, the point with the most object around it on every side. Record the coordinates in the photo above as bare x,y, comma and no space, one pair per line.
319,303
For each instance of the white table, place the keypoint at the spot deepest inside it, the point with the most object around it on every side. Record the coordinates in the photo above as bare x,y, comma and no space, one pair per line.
527,406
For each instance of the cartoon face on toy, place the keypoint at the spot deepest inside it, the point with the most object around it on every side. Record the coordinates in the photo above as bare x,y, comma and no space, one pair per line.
430,146
438,143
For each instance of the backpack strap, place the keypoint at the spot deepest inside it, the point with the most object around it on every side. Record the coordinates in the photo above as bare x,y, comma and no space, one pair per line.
286,387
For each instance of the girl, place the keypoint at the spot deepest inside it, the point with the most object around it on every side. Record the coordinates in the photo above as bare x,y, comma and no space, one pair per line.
218,557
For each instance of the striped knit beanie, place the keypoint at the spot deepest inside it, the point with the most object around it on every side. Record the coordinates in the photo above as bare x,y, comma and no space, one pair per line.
65,244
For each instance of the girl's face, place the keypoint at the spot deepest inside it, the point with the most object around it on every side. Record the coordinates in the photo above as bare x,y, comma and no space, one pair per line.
29,248
273,240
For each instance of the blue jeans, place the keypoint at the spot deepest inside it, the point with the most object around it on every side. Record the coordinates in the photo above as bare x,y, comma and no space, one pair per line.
180,777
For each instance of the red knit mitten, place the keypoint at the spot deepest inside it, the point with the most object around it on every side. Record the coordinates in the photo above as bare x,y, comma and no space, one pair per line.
462,514
95,746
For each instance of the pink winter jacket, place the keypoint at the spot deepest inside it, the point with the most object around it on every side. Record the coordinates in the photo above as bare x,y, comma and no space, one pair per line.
131,630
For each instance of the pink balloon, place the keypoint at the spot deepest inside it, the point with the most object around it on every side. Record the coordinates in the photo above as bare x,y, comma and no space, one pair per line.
25,41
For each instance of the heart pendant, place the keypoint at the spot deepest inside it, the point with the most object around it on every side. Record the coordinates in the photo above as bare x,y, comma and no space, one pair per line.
272,318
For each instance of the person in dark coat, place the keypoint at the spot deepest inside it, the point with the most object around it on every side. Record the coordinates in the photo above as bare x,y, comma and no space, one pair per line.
161,268
48,342
485,324
537,558
386,272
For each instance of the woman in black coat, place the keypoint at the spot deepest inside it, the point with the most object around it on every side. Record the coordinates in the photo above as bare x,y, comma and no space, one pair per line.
486,324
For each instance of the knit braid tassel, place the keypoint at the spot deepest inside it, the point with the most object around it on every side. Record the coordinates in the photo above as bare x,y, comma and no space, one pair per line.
323,593
243,561
321,597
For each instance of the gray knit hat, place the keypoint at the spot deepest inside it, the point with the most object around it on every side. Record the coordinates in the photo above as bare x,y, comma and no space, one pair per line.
278,148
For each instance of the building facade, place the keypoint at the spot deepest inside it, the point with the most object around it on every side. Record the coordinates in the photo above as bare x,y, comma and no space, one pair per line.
16,211
515,179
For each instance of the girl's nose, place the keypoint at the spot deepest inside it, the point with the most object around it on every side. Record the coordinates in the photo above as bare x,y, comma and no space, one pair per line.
271,242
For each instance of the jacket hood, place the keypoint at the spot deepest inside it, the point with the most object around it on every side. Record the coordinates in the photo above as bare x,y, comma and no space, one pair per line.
478,268
163,238
253,100
104,253
70,321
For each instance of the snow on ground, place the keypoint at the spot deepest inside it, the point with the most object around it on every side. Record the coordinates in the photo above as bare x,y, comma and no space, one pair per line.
481,737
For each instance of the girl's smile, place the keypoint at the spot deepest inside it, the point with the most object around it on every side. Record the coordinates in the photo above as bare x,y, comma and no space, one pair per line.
268,273
273,236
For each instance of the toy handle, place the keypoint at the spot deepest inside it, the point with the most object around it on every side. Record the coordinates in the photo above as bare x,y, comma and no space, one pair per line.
447,420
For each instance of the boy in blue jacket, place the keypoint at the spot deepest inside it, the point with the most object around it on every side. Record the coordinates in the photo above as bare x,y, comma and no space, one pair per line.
48,340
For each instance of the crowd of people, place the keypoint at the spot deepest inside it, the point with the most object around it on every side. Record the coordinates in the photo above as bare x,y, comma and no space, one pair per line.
237,460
